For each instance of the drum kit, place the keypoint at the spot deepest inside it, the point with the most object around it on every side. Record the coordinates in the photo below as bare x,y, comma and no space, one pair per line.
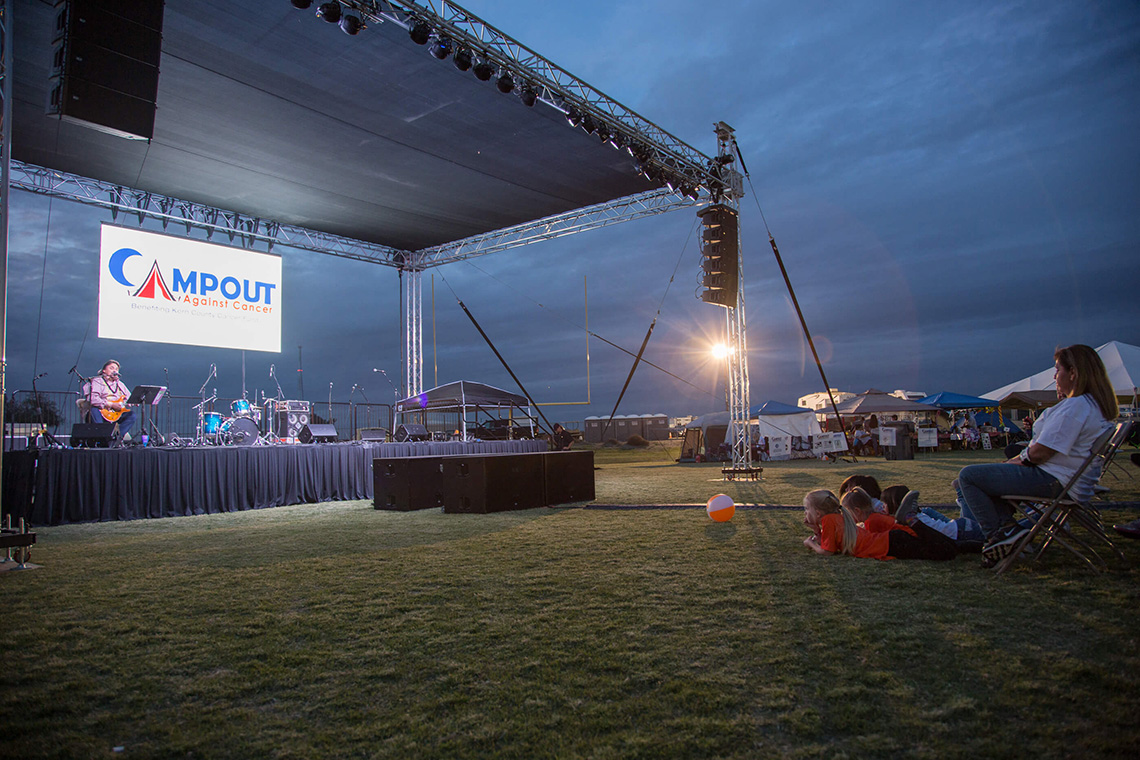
241,428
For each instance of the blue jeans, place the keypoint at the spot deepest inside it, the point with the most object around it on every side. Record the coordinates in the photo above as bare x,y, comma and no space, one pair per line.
967,529
981,486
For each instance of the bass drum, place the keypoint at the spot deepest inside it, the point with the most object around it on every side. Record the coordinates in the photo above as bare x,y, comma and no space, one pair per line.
239,431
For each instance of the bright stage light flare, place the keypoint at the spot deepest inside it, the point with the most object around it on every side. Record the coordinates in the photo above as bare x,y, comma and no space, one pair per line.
721,351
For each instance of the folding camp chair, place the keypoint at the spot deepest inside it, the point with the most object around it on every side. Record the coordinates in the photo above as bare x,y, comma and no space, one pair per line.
1055,518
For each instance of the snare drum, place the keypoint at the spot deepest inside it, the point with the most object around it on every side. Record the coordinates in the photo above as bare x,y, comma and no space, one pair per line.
211,423
240,408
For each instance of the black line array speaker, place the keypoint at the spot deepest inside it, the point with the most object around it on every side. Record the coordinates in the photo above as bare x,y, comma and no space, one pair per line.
317,432
406,483
94,435
105,64
492,483
411,432
568,476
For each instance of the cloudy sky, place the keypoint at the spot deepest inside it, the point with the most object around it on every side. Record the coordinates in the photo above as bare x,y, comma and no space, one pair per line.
954,187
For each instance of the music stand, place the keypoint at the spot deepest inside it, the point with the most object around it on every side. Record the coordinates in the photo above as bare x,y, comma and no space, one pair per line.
144,396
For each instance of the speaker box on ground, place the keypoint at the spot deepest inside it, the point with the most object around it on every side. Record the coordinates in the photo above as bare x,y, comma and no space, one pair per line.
568,476
105,65
94,435
406,483
316,432
372,434
492,483
411,432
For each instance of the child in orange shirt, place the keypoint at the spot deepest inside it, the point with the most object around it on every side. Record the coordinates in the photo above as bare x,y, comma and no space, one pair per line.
835,532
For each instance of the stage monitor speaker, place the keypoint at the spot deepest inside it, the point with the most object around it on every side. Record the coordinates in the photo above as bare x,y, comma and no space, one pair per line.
411,432
372,434
316,432
105,65
94,435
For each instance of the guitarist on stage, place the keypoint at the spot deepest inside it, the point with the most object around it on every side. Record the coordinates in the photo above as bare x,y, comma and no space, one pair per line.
108,396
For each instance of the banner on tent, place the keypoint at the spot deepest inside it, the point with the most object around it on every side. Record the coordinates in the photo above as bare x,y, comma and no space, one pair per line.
828,443
166,289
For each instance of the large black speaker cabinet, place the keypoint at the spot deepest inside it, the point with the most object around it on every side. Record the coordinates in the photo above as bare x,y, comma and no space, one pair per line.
569,476
105,65
406,483
316,432
372,434
492,483
289,424
94,435
411,432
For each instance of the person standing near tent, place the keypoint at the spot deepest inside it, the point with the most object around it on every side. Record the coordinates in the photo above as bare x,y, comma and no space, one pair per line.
1062,440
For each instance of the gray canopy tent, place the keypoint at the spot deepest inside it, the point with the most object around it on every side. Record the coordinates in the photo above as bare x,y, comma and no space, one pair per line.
464,398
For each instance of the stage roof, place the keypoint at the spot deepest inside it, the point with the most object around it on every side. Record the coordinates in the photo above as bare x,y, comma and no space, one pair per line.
271,112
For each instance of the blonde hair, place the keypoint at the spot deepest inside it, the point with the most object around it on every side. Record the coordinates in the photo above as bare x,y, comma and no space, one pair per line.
825,502
858,500
1090,377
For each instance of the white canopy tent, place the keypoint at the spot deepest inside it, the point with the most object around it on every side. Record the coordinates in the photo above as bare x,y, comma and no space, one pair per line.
1121,360
714,426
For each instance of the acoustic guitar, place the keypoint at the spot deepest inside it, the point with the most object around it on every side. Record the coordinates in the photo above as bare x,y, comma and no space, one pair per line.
113,415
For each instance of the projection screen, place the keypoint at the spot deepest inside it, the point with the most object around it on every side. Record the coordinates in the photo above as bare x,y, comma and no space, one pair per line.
165,289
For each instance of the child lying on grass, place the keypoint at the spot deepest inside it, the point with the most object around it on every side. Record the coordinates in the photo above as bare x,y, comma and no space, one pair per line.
834,531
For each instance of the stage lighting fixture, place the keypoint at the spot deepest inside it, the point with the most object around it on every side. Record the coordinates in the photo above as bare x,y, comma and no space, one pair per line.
527,94
573,117
350,25
588,124
505,82
483,71
603,132
420,33
462,59
617,140
301,5
441,47
330,12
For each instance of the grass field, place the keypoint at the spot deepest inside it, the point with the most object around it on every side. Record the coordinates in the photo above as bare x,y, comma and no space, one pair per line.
335,630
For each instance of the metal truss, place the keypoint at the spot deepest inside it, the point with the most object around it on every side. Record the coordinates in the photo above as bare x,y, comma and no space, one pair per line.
663,156
245,230
735,328
413,333
579,220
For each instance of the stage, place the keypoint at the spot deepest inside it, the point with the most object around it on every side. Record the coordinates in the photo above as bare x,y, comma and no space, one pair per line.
58,486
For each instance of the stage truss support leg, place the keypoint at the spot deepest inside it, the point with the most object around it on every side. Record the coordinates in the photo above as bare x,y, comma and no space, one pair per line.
735,328
413,332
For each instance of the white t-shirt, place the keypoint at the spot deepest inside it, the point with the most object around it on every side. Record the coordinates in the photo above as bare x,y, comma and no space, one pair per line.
1070,428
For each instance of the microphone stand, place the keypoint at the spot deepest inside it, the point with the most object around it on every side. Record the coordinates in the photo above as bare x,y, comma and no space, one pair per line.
49,439
171,438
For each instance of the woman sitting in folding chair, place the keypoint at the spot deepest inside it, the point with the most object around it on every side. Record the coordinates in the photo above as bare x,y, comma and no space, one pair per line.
1062,440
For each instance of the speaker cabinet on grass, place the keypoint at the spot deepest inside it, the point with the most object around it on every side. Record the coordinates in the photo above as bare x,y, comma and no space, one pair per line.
568,476
405,484
492,483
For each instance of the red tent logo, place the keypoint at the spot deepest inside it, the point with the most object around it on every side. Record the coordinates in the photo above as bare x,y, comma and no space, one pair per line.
154,286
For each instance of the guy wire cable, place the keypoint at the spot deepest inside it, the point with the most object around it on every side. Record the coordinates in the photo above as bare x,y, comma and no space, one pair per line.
795,301
593,334
549,427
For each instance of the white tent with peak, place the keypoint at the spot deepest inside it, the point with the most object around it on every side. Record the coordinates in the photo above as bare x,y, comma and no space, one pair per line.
1120,359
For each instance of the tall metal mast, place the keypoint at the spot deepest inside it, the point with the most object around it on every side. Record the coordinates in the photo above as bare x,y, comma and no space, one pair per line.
735,332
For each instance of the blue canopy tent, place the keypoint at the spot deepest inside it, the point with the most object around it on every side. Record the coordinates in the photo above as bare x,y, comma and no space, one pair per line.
947,400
